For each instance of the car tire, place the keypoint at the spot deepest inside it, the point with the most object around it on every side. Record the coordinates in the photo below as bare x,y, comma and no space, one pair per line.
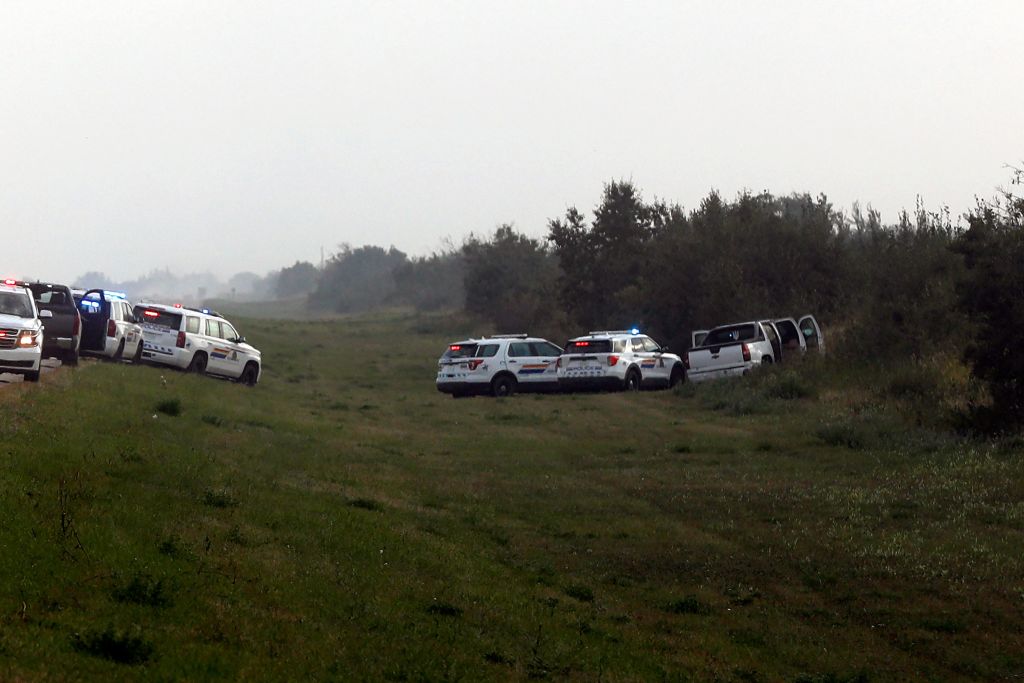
137,358
120,351
677,376
503,386
250,375
767,360
70,358
32,376
198,364
632,381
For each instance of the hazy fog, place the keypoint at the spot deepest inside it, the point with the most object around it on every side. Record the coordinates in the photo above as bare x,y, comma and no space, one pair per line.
241,136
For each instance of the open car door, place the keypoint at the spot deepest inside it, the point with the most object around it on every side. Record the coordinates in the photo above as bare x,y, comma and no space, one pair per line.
94,310
811,333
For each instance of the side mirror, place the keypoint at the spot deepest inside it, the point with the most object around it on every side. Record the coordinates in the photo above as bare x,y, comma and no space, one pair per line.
45,314
239,340
663,349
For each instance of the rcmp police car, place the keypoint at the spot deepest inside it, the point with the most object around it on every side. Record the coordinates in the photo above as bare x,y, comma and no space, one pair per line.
197,340
499,365
21,331
618,359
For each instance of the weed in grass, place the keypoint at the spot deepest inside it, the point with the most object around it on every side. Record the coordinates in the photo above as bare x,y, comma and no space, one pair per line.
214,420
365,504
444,609
788,387
580,592
845,434
142,589
764,446
688,605
742,595
337,405
682,448
114,645
171,547
858,677
236,536
219,498
169,406
495,657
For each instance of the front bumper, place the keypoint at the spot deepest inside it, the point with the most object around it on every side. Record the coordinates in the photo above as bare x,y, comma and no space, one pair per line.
21,360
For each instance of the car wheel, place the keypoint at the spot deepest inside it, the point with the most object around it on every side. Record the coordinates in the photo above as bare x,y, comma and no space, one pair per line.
198,364
632,382
677,375
249,375
120,351
503,385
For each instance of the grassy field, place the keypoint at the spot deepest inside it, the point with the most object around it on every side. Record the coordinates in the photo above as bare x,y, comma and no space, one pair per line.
344,521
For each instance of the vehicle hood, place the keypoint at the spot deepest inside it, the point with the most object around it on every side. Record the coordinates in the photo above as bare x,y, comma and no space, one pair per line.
15,321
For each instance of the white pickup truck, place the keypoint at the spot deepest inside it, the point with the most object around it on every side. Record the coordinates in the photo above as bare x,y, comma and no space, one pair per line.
731,350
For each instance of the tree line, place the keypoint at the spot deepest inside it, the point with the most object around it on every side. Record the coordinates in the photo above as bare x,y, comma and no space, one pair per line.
885,291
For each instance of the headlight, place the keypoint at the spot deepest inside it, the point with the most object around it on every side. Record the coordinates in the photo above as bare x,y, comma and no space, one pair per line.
28,338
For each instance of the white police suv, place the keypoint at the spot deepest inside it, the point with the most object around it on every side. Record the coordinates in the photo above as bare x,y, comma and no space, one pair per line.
108,325
197,340
498,365
21,331
618,359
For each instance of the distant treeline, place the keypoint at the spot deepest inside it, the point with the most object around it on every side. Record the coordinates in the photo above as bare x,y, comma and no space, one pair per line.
884,291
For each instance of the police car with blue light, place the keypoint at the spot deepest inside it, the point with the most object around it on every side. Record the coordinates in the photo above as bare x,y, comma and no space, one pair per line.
620,360
499,365
108,325
197,340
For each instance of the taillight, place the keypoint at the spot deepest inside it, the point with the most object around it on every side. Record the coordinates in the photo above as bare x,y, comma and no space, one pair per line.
612,360
181,340
77,327
746,352
111,328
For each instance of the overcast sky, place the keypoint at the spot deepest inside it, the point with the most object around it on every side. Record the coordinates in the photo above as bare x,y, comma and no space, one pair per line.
237,136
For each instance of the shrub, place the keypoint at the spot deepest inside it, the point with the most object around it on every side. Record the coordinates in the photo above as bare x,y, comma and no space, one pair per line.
169,406
142,589
114,645
688,605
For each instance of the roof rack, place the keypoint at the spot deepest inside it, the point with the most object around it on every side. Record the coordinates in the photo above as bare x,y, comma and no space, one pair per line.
521,335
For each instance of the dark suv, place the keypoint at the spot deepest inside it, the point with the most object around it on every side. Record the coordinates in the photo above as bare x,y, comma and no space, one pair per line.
64,330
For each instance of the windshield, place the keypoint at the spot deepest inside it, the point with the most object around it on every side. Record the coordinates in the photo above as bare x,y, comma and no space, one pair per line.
731,335
16,303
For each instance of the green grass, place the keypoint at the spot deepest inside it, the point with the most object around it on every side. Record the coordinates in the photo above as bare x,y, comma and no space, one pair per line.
344,521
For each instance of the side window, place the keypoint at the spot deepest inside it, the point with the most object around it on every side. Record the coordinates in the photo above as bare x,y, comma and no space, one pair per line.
213,328
637,344
192,325
618,345
544,349
519,349
486,350
227,330
127,311
650,345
